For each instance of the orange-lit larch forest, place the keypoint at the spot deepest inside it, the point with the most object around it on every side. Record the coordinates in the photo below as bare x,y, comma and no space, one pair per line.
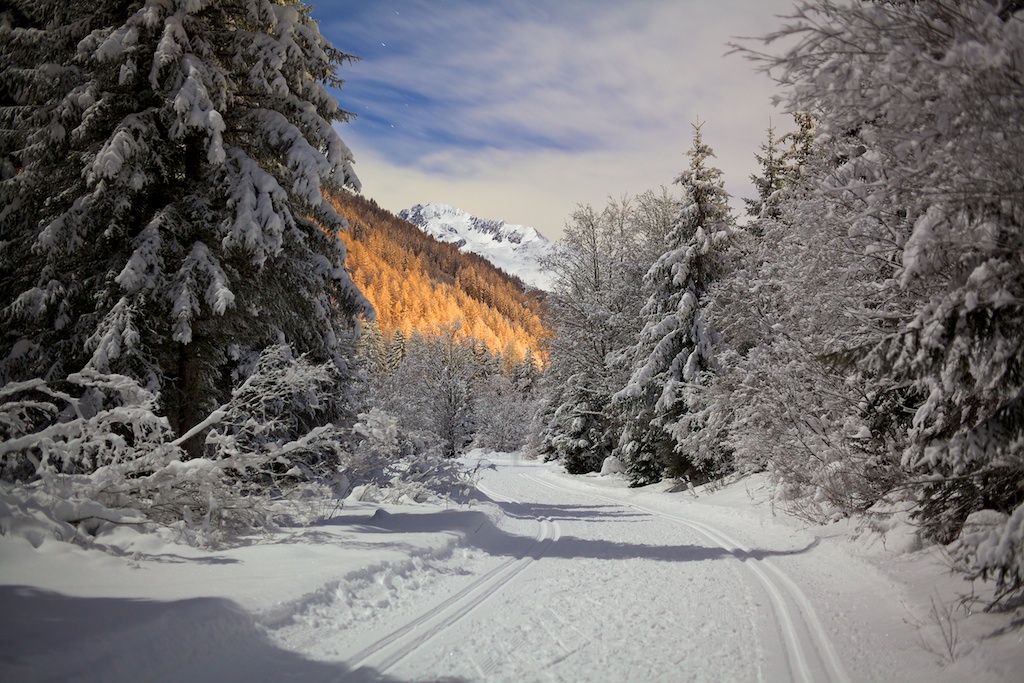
418,284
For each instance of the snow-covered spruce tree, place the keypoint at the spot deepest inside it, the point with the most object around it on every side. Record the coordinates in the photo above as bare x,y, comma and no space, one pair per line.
581,431
674,348
161,191
769,181
372,348
797,158
781,168
932,94
397,350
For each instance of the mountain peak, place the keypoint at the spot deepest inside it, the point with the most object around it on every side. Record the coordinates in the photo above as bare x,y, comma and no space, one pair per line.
515,249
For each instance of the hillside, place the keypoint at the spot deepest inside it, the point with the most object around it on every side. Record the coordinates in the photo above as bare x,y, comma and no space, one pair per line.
417,283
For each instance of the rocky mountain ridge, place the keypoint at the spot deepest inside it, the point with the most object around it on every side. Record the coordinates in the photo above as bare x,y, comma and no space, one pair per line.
516,249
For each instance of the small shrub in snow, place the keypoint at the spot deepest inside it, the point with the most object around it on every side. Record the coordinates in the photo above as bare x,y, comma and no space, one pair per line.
612,465
992,546
277,428
93,448
94,442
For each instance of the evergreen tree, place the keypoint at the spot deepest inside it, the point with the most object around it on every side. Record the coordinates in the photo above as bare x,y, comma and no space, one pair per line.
797,158
161,188
674,347
581,436
397,349
644,446
372,347
770,181
596,302
781,168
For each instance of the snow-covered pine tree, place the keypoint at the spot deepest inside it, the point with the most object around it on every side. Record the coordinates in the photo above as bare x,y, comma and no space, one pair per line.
797,158
783,162
397,349
372,347
674,347
579,432
161,189
770,179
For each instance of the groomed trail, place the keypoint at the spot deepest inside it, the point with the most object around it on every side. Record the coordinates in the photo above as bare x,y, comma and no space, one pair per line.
582,579
542,577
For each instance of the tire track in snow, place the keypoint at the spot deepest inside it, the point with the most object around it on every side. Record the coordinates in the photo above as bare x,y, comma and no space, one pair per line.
399,644
801,627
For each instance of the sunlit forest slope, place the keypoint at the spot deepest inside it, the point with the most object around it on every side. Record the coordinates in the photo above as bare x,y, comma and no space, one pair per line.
419,284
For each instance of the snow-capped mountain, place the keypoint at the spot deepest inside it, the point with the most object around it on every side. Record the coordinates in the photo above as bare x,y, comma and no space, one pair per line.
516,249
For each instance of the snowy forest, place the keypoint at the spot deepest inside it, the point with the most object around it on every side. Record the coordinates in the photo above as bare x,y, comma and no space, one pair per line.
184,343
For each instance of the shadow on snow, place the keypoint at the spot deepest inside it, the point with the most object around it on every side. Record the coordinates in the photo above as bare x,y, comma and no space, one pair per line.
482,534
47,636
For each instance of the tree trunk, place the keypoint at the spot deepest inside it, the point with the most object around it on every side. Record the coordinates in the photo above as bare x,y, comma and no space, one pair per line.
188,410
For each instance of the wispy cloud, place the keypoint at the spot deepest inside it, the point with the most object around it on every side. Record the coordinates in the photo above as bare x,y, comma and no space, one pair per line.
520,110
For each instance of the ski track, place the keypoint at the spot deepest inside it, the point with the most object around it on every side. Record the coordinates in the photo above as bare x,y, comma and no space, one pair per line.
810,652
562,621
387,652
792,635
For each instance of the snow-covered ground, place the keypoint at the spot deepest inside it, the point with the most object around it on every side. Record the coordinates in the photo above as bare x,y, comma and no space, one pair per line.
546,577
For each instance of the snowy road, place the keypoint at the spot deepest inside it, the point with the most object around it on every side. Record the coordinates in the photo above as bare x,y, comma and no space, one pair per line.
579,580
545,577
601,579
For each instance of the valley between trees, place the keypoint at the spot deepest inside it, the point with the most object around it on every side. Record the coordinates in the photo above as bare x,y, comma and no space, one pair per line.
211,330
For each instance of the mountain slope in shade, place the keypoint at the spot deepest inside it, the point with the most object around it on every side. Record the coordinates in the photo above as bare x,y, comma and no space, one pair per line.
516,249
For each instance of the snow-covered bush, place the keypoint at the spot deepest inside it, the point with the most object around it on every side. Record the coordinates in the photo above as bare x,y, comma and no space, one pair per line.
278,428
992,546
611,466
503,414
95,448
381,465
87,422
96,442
429,475
94,445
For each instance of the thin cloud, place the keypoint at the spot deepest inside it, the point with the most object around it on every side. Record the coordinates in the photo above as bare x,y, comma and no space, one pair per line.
523,110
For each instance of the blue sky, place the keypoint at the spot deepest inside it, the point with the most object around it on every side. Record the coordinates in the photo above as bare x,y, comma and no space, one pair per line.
522,110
